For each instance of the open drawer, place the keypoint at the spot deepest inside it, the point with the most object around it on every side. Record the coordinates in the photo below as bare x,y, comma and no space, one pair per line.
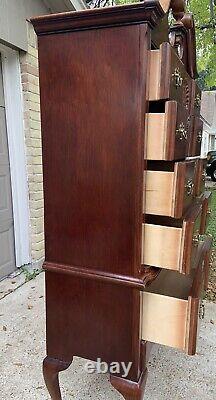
168,78
167,131
169,191
171,305
172,243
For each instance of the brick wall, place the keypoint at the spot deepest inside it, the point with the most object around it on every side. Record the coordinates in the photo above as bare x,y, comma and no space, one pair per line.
30,85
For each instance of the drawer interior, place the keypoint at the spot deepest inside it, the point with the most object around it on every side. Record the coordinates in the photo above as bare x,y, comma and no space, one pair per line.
172,284
161,220
161,165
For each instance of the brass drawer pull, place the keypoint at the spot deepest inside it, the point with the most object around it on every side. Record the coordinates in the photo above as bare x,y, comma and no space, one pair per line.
212,259
199,137
202,310
196,239
189,187
182,132
198,101
177,77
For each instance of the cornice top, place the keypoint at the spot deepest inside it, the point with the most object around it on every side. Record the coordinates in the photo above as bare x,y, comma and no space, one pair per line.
149,11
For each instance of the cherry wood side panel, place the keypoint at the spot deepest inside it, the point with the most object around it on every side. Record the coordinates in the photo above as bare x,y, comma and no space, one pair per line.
93,145
92,320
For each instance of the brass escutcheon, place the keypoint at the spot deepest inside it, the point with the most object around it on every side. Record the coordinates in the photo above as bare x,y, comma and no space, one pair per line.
177,78
189,187
212,258
202,310
181,132
199,137
196,239
198,101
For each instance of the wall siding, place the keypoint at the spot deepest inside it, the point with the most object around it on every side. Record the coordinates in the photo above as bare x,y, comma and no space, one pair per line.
32,127
13,20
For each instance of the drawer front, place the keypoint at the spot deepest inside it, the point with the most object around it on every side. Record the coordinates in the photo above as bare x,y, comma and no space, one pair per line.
170,307
172,129
168,78
160,33
196,99
171,247
180,82
196,137
200,177
206,211
198,133
182,133
174,189
208,261
191,240
185,186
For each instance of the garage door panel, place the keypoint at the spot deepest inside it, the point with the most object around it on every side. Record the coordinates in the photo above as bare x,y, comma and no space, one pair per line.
4,159
5,195
7,252
6,225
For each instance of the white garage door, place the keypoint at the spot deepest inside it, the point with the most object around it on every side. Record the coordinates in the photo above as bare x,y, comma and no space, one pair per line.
7,250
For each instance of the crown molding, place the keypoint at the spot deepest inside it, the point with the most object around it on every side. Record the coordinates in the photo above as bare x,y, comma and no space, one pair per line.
148,11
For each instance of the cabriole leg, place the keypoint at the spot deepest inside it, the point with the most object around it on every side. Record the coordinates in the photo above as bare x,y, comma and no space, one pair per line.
51,369
130,390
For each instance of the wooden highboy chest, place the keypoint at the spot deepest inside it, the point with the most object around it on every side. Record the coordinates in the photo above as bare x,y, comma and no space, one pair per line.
127,257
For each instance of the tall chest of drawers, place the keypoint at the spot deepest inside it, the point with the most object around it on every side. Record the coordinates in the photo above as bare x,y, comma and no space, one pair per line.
127,258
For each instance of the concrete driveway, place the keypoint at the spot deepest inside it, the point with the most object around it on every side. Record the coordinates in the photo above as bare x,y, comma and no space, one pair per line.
172,375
